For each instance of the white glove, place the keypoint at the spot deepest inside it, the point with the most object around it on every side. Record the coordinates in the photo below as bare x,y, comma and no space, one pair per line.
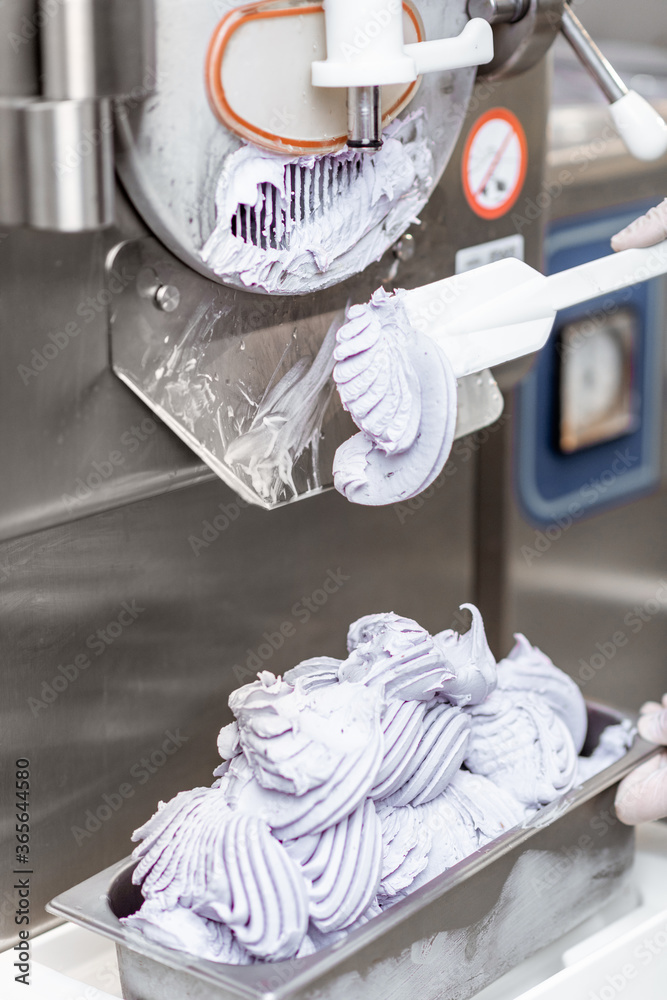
642,796
645,231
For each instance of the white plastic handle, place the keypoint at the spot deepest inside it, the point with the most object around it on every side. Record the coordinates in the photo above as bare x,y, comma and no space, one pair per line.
473,47
360,57
506,309
640,126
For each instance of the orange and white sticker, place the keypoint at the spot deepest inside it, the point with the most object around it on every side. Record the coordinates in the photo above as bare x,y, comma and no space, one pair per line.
495,161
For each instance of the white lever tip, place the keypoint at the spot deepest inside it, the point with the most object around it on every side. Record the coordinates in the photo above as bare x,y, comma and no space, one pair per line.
640,126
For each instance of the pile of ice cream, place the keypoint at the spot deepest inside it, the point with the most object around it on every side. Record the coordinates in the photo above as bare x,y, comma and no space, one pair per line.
347,784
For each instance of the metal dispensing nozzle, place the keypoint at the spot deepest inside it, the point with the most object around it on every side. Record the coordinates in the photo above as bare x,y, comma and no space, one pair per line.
364,117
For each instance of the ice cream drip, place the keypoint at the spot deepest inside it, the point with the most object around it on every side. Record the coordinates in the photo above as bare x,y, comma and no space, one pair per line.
347,784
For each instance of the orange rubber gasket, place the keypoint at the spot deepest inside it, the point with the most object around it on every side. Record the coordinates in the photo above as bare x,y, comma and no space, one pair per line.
505,115
221,36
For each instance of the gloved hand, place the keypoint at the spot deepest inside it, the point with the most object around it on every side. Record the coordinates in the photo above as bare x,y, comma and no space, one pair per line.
645,231
642,796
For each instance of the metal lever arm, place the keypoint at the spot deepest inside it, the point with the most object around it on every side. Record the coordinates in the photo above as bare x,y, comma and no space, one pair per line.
640,126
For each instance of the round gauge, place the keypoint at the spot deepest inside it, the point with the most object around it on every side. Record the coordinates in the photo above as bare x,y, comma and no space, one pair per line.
596,397
495,160
594,379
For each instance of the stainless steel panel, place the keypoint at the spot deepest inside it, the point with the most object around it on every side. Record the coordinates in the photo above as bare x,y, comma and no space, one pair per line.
96,48
69,164
13,159
450,938
54,302
19,49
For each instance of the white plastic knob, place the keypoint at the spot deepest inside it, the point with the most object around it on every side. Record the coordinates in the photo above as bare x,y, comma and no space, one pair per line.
640,126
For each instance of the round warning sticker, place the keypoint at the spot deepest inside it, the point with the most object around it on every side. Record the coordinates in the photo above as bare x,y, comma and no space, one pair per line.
495,160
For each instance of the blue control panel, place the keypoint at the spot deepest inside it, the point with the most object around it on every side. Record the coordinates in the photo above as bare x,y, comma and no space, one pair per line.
573,459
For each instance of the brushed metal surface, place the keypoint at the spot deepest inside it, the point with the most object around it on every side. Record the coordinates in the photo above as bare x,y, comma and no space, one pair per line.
13,158
450,938
19,48
96,48
522,44
69,164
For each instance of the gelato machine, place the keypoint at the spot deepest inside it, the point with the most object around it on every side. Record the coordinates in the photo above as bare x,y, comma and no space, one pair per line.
191,197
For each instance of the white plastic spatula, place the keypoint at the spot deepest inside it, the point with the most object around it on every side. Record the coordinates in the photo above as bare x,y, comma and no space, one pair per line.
506,309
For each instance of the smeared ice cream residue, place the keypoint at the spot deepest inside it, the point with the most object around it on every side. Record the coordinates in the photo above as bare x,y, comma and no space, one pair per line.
288,421
348,784
289,225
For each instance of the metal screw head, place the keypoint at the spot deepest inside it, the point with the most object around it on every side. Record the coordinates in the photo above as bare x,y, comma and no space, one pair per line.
405,248
167,298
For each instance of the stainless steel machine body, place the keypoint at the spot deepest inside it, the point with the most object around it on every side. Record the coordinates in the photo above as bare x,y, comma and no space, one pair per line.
138,590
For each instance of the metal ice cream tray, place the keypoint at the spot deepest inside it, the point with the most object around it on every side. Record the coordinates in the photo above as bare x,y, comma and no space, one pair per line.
447,940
